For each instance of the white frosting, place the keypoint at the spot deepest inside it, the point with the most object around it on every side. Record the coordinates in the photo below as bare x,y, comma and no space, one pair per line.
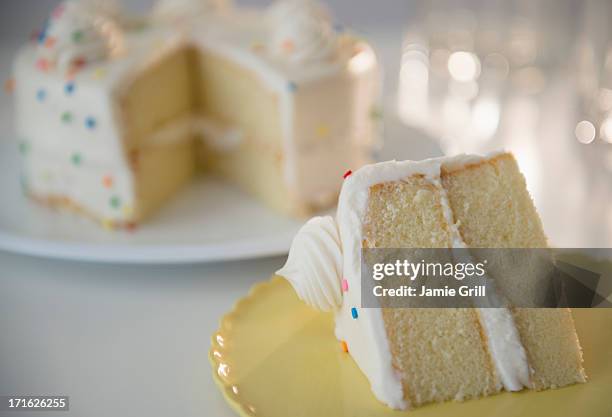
181,10
366,337
80,31
214,135
314,265
302,32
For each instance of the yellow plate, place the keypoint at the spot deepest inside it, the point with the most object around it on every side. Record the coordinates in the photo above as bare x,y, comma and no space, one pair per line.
275,357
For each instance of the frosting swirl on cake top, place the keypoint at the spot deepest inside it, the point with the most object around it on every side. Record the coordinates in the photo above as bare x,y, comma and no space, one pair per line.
302,32
314,265
179,10
79,32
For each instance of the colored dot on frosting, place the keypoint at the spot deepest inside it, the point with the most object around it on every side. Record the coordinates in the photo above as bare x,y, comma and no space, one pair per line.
347,174
69,88
24,147
77,36
344,285
288,45
115,202
66,117
99,73
42,35
9,85
375,113
344,346
76,158
43,64
322,131
41,95
128,210
58,11
292,86
108,224
50,42
354,312
90,123
257,46
107,181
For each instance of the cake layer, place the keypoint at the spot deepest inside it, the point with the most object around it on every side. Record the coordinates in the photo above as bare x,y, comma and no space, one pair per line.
480,195
439,353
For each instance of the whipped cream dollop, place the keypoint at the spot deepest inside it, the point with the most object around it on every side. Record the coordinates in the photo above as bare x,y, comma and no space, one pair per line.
314,265
179,10
80,32
302,32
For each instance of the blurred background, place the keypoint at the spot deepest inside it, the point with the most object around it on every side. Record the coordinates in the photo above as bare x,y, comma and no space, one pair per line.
533,77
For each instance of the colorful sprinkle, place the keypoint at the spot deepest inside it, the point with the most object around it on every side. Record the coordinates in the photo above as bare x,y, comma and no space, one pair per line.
354,313
108,224
80,62
35,35
134,157
76,158
58,11
43,64
99,73
322,131
9,85
131,226
41,36
77,36
128,210
344,285
69,88
344,346
292,86
50,42
257,47
67,117
90,123
347,174
107,181
288,46
24,147
115,202
376,113
41,95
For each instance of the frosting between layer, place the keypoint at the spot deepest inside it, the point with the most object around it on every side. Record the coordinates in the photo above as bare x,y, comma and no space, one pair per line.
314,265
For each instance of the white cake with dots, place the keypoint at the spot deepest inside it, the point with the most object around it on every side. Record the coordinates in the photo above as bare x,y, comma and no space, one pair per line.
115,114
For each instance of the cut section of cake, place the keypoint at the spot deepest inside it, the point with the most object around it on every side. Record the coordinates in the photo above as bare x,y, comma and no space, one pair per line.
414,356
115,116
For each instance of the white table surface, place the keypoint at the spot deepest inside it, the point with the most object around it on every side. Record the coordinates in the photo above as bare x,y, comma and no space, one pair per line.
119,340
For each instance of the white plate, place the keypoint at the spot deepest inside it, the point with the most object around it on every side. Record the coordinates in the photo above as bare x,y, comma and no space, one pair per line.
208,221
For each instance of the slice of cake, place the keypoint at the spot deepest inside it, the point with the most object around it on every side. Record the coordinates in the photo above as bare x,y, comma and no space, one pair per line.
414,356
115,115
